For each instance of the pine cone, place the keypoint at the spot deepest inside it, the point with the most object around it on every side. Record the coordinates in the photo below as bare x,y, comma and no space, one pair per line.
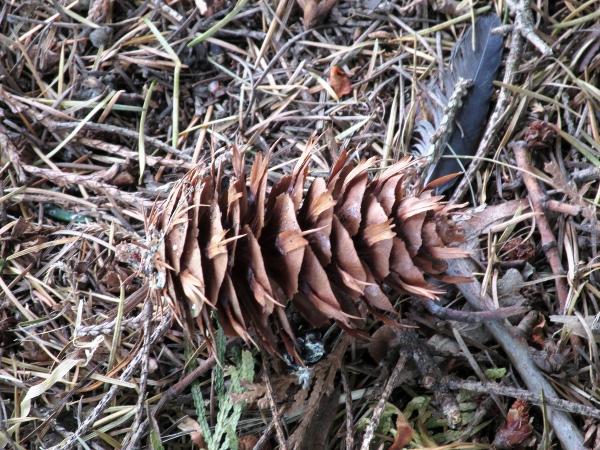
243,254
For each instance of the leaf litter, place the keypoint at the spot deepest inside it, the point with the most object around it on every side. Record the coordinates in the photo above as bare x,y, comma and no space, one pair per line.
79,182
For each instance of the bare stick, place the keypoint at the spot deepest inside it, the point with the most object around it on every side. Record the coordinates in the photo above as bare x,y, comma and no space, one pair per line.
524,25
266,434
134,435
273,405
517,350
549,243
349,415
471,316
94,182
493,388
124,152
370,431
6,144
133,134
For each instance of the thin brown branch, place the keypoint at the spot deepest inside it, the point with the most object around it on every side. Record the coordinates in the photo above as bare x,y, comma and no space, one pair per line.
471,316
273,405
94,182
521,9
349,415
112,392
378,411
549,243
537,399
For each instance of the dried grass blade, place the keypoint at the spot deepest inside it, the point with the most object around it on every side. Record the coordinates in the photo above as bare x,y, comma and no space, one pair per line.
81,124
141,142
176,73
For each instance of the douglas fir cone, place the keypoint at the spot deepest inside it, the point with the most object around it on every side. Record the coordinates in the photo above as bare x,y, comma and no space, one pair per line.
243,254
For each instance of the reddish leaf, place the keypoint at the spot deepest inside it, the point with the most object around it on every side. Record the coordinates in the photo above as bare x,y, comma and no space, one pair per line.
537,334
404,433
517,429
187,424
339,81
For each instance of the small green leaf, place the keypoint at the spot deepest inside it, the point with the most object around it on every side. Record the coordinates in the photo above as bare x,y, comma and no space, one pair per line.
495,374
415,404
436,422
467,406
155,439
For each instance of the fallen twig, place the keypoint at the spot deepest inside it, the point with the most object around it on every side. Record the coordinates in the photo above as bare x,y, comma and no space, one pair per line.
391,384
493,388
349,414
134,435
524,25
471,316
266,434
273,405
517,350
549,244
89,181
57,126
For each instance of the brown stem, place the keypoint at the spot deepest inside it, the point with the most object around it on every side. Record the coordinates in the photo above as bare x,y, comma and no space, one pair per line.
349,414
549,243
93,182
273,405
561,207
370,430
471,316
266,434
524,24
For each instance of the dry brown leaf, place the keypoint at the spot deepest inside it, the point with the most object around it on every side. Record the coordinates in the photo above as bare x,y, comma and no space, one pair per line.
339,81
517,429
537,334
315,11
187,424
404,433
248,441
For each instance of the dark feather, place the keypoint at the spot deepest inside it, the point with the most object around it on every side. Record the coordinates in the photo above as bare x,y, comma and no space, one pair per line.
479,65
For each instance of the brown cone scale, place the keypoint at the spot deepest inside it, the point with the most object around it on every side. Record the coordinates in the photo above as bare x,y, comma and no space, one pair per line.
328,249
